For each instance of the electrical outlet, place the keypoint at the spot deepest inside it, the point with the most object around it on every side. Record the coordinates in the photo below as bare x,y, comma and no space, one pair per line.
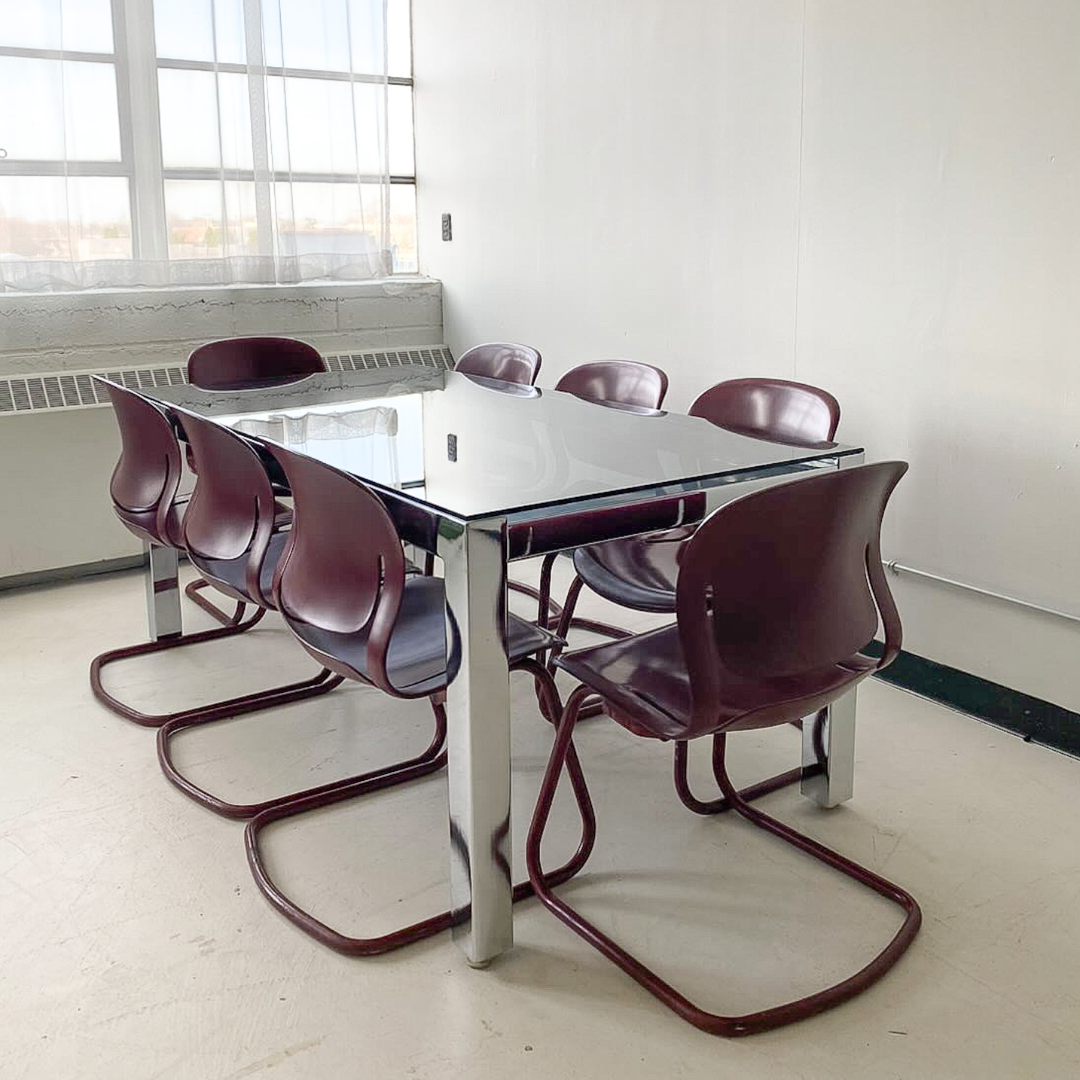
451,447
447,230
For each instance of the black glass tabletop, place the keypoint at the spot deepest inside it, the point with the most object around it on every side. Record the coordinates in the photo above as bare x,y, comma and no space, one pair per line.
473,448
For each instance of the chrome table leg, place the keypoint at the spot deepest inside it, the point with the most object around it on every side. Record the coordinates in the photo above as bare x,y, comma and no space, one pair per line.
828,758
162,592
828,753
478,738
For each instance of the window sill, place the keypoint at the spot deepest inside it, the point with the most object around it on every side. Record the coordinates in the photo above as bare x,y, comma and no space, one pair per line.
391,286
48,332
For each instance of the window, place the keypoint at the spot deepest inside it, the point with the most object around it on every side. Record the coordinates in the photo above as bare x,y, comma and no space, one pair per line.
186,141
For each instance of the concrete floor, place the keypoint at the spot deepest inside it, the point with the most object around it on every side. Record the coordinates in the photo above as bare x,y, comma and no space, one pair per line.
133,943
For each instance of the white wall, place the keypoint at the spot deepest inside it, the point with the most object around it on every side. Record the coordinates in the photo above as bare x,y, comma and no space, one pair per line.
621,179
938,292
55,467
879,198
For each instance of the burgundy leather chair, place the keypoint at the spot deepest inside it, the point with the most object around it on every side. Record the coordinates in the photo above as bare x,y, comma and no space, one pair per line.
248,362
144,491
778,594
621,384
501,360
234,532
342,589
640,572
792,413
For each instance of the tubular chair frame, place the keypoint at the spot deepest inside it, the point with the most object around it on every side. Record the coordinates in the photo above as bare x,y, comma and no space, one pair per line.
713,1023
193,591
431,760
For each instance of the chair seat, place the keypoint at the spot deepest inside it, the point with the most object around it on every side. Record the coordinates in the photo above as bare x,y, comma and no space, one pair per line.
639,572
646,687
418,662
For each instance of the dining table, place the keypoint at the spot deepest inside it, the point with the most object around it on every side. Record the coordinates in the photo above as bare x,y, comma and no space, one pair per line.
481,473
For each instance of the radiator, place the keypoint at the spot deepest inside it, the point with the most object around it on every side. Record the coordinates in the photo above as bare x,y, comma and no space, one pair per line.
58,446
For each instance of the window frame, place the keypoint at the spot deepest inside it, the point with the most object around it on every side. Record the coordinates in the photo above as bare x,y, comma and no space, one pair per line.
136,65
125,167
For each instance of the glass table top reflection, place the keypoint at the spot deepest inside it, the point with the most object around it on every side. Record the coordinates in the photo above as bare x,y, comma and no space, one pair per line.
474,448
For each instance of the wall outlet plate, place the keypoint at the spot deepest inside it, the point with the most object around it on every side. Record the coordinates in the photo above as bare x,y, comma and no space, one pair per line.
447,229
451,447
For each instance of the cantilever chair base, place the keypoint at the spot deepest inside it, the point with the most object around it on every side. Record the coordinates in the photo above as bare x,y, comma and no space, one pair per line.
431,760
236,625
319,684
193,593
216,710
713,1023
813,597
723,804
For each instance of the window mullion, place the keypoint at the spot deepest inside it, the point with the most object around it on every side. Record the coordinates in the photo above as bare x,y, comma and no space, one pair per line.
260,124
137,77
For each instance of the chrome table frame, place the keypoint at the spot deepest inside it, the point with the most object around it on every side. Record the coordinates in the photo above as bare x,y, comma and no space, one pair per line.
474,556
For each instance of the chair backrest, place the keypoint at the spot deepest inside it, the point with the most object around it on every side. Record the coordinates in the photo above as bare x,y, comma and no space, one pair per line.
343,569
231,511
248,362
501,360
787,581
148,471
616,382
788,412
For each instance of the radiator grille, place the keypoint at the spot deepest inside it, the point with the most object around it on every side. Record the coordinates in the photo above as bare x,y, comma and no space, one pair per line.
433,356
52,391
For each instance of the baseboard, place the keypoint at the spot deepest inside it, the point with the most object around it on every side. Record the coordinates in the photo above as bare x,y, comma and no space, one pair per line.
1032,718
58,574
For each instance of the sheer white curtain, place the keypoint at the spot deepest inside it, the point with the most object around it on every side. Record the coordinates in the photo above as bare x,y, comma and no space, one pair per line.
179,142
362,441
